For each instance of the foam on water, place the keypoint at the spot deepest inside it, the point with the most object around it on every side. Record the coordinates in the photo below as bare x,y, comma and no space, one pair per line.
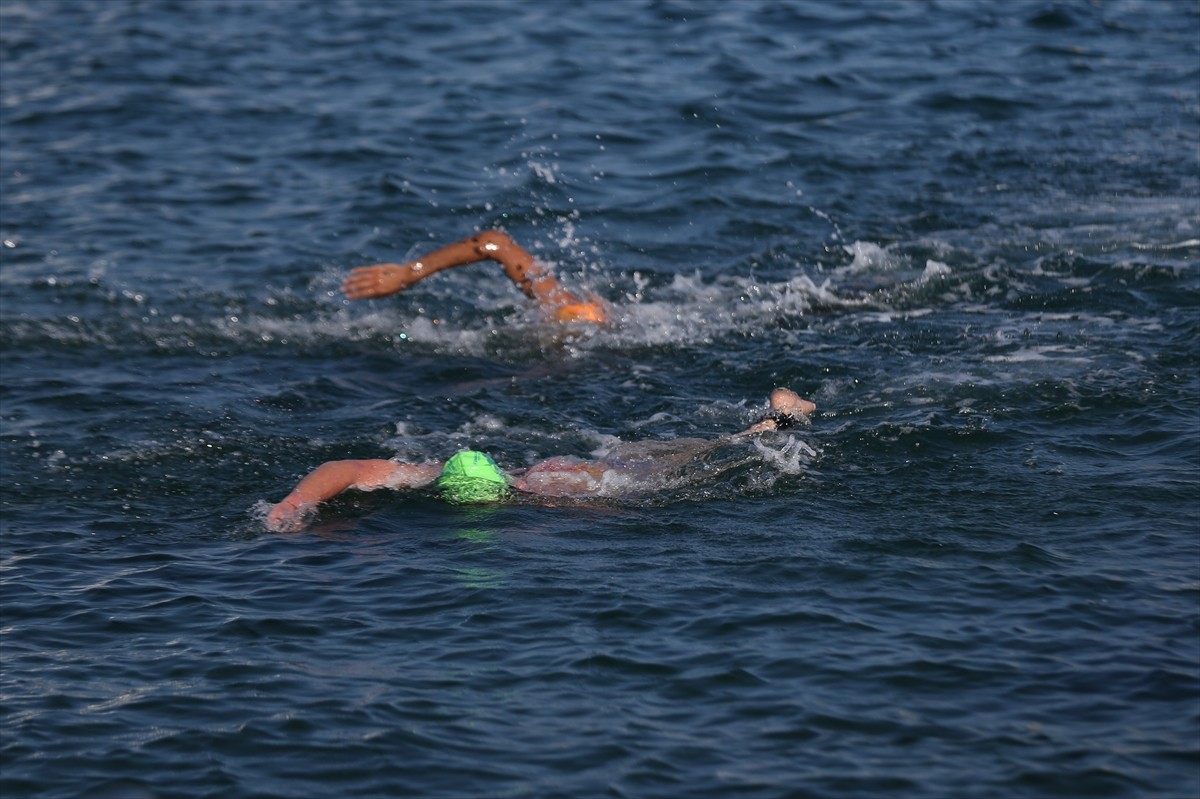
688,310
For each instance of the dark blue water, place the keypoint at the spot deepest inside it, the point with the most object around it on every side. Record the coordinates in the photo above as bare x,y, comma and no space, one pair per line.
969,231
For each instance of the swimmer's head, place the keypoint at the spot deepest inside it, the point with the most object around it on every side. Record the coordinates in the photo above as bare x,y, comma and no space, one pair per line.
471,477
591,312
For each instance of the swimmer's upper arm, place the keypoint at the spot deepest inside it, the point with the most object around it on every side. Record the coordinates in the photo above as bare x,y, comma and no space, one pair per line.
370,474
536,282
390,474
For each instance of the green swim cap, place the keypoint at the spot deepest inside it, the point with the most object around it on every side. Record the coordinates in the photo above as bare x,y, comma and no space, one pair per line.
471,477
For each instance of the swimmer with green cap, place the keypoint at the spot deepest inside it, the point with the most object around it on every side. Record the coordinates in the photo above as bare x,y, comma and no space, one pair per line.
471,477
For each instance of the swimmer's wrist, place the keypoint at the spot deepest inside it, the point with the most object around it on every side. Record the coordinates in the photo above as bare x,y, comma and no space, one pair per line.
781,420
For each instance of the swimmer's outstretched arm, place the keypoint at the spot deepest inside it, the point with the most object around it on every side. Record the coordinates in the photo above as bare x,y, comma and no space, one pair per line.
382,280
332,478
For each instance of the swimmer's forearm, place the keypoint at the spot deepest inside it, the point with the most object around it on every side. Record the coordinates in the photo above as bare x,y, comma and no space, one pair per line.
323,483
535,282
333,478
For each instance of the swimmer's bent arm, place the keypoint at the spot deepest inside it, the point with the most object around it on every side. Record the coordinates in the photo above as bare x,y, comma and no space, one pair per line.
332,478
382,280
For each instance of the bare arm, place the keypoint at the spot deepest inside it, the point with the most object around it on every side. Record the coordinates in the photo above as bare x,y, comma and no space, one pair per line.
382,280
332,478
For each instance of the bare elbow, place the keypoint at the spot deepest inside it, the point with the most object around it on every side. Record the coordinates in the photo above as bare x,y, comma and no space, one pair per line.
490,242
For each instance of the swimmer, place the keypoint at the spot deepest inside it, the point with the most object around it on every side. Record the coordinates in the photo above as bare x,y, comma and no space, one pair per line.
473,477
383,280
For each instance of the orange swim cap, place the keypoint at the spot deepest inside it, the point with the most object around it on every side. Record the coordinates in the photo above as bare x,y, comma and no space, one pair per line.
592,312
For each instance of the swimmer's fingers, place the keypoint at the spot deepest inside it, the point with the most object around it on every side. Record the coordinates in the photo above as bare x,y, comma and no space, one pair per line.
380,280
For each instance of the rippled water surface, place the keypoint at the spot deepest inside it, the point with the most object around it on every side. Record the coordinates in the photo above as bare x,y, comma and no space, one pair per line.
968,231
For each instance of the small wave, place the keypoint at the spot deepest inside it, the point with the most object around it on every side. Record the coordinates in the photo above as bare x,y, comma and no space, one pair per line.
1182,245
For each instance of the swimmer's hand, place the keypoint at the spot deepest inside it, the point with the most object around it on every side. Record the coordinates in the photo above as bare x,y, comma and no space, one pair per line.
787,408
382,280
288,516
